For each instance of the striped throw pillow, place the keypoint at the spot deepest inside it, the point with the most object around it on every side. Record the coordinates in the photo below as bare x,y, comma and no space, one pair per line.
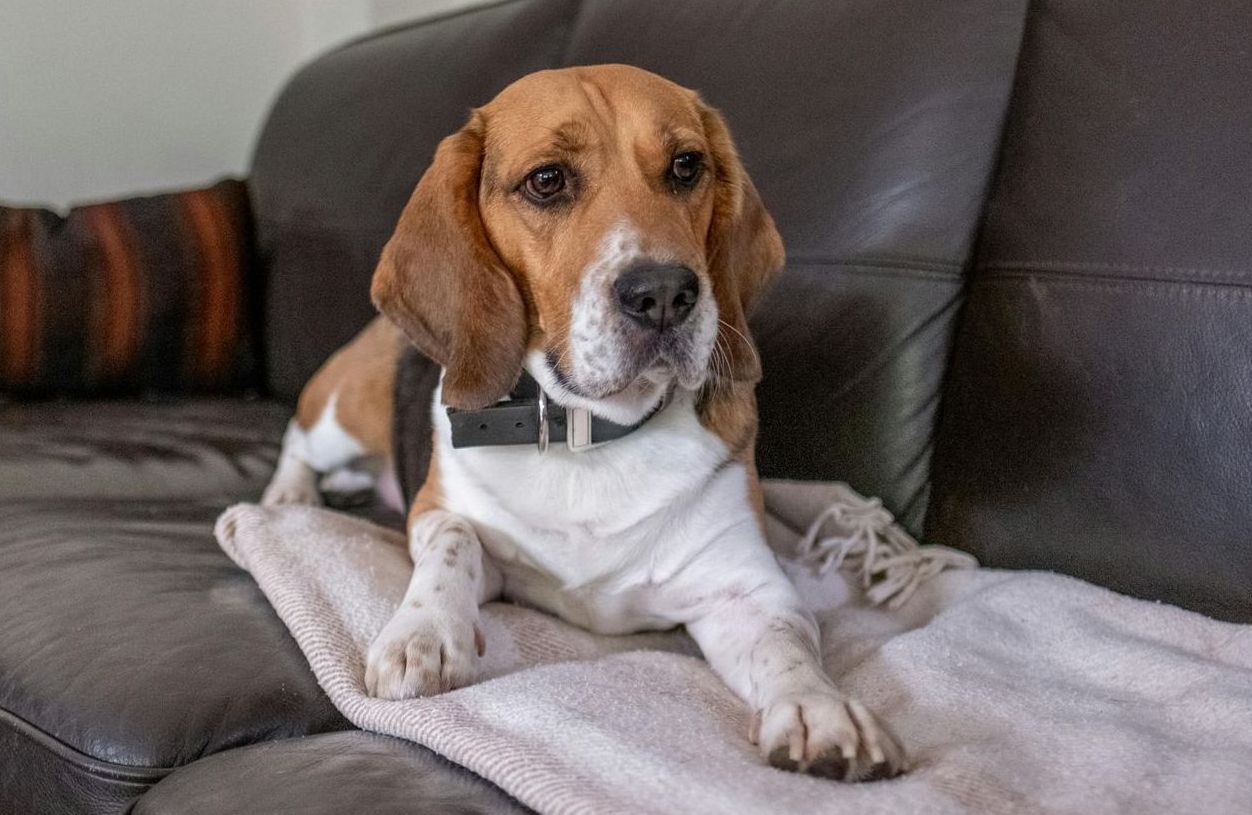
145,295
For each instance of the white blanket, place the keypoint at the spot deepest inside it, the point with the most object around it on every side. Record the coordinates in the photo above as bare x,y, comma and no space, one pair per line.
1012,691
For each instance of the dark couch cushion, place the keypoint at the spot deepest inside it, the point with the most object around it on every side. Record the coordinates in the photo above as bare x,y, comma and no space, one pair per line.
40,774
218,450
1097,418
325,775
148,294
132,644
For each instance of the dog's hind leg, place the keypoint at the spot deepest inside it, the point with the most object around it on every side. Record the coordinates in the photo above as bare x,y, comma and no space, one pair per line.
294,480
343,419
307,454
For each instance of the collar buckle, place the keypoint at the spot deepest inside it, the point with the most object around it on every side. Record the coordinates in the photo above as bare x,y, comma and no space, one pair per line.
578,430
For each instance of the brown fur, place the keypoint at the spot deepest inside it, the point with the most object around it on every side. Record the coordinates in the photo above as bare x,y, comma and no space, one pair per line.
731,415
745,251
363,374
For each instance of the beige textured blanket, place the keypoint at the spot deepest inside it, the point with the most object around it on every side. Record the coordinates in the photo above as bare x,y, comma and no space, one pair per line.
1013,692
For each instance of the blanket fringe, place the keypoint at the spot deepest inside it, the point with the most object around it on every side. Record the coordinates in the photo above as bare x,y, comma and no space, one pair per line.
863,537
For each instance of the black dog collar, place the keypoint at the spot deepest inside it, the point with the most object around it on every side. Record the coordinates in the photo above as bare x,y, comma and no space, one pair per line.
529,417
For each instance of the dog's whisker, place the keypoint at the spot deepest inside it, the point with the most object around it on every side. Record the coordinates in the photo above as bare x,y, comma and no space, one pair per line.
747,342
721,367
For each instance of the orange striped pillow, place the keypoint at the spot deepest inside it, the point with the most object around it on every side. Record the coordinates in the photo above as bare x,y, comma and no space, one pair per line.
149,294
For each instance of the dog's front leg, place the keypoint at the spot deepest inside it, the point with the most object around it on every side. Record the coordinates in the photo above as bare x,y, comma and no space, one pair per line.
757,635
433,641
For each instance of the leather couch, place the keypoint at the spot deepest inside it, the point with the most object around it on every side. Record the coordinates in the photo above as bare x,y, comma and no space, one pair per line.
1017,306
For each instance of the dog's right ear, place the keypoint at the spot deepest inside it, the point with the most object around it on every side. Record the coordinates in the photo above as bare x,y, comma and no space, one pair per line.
441,282
745,250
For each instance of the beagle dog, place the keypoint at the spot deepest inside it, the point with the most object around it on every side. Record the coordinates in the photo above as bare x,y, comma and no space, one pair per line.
580,259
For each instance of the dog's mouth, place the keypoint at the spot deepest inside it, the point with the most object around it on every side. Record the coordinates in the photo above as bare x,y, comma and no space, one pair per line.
674,358
654,361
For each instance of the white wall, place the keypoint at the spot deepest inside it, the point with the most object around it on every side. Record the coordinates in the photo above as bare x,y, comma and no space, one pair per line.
105,98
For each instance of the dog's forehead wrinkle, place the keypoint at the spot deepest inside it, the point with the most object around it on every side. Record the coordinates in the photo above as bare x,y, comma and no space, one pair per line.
600,103
626,109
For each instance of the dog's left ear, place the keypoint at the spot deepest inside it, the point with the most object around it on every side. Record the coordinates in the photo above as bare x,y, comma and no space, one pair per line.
745,250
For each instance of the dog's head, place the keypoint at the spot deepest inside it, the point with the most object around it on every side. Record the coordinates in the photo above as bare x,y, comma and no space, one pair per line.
594,224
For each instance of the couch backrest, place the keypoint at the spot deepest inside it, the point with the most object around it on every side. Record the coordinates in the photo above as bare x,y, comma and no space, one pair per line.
1098,414
871,130
344,145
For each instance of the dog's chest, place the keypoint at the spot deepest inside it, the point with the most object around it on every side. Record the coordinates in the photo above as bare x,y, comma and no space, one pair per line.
591,536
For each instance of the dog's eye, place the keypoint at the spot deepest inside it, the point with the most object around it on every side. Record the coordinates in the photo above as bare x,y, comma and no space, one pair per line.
544,183
685,169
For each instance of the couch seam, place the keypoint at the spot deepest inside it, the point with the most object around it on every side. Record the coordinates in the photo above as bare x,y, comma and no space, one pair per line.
978,241
887,260
1133,269
942,272
1141,283
99,768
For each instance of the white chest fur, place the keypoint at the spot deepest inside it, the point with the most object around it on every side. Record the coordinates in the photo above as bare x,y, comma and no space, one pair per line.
598,537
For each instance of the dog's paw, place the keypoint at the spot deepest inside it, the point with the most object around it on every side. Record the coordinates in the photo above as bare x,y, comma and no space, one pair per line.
823,734
347,488
422,652
292,489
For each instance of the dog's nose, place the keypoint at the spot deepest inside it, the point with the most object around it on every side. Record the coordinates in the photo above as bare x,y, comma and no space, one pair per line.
657,296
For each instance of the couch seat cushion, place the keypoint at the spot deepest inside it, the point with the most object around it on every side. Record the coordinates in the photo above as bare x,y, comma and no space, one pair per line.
327,774
223,449
131,644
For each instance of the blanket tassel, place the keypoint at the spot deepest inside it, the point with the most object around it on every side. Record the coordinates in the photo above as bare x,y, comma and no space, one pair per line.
863,538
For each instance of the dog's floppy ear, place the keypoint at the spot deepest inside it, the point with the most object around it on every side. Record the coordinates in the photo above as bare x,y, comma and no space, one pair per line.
441,282
744,248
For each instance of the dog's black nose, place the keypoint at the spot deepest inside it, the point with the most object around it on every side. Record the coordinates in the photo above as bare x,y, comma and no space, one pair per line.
657,296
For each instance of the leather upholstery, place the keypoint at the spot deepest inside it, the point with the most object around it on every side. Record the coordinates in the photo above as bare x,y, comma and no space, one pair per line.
330,774
131,644
131,639
211,448
1096,417
39,774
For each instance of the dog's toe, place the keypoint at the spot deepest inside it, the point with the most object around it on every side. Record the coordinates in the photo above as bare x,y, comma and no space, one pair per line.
879,754
421,653
287,493
826,736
